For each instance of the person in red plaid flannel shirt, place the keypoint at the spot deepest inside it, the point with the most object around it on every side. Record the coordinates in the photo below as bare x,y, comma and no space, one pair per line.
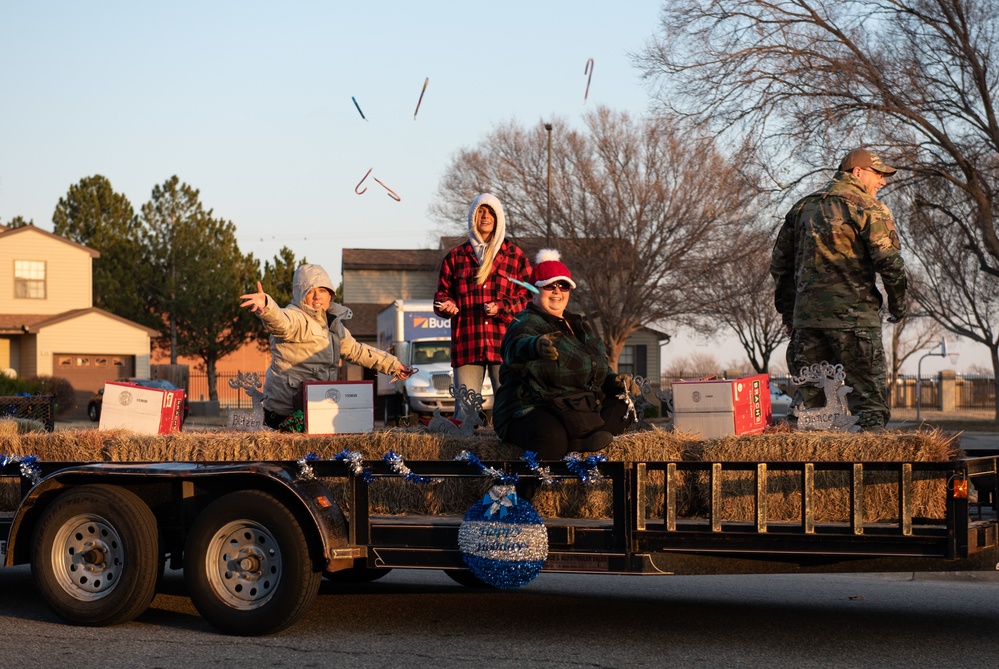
478,289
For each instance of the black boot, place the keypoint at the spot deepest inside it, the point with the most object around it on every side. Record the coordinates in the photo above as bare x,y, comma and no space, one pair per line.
597,441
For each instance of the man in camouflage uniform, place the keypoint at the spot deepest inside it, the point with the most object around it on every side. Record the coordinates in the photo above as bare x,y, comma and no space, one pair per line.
828,251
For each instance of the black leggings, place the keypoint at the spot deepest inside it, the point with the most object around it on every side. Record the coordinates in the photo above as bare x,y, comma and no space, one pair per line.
540,431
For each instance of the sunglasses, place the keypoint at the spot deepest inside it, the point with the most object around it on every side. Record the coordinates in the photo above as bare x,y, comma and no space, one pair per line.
564,286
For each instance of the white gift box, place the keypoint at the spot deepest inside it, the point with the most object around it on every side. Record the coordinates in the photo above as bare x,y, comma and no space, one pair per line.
146,410
718,408
338,407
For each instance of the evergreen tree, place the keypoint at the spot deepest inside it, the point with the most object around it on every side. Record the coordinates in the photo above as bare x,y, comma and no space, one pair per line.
199,273
94,215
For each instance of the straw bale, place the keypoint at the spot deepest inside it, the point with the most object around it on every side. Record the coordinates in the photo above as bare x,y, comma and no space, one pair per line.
832,489
570,499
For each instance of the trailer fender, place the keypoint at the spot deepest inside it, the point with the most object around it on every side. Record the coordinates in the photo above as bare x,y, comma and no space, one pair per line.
321,517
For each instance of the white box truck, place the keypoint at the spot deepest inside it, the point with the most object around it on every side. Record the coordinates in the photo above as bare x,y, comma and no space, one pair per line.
410,330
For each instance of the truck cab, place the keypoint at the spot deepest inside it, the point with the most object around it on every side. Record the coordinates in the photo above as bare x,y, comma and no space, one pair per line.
429,388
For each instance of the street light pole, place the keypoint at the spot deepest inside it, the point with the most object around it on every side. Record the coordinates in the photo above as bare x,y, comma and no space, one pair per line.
548,211
919,374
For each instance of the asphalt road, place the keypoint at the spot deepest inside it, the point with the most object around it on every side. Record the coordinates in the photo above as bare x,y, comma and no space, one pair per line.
421,619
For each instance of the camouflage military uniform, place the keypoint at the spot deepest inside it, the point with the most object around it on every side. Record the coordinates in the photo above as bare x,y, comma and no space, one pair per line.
830,248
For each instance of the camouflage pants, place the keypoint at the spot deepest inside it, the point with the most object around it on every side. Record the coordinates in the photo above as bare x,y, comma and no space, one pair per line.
862,355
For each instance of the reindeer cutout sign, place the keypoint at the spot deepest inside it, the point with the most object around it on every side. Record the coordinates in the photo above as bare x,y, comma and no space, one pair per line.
253,420
835,415
471,407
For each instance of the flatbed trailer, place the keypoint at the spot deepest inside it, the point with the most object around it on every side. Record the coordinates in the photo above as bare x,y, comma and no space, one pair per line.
254,539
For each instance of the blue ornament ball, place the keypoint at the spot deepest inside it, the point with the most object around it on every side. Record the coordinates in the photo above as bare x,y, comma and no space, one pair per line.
503,539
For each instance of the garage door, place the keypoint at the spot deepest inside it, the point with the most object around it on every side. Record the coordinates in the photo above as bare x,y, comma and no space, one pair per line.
87,372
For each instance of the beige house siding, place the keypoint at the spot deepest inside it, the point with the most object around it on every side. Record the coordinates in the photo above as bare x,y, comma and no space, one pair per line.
93,334
68,273
377,286
29,344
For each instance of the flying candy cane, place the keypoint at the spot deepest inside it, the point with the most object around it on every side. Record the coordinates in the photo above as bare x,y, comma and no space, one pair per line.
418,102
391,193
358,108
588,70
361,192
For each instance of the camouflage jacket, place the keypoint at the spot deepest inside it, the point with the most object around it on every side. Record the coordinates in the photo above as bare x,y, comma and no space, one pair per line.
828,251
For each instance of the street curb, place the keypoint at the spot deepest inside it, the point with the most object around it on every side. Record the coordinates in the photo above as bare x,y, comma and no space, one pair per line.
958,576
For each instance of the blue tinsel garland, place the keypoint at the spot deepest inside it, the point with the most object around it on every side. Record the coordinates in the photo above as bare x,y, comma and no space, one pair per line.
28,465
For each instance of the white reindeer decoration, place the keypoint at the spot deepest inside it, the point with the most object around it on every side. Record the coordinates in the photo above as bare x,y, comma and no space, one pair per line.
835,415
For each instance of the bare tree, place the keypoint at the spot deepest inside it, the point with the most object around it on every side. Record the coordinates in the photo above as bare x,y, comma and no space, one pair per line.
807,79
693,365
742,300
952,290
642,210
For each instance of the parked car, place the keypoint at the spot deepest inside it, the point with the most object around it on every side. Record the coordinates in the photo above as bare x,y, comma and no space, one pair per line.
97,401
780,403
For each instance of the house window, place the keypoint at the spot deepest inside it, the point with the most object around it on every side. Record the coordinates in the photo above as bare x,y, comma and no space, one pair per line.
626,361
29,279
632,360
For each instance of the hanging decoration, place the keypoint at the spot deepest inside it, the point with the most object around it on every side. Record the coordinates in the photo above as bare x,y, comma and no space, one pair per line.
503,539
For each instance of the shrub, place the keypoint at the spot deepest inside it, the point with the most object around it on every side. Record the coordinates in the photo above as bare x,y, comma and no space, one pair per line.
10,386
65,395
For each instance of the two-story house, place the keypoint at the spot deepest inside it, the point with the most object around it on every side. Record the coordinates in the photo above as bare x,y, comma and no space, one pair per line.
48,324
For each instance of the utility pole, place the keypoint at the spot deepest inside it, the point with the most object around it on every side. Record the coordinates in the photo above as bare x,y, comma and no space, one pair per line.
548,212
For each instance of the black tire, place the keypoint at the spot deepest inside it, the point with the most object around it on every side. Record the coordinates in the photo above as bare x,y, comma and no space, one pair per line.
356,575
466,578
94,411
247,565
95,555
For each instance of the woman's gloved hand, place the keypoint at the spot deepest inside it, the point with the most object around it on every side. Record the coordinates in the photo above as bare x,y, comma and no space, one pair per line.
545,346
627,381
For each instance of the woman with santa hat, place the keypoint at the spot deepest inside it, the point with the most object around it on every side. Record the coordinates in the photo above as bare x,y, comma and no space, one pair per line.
557,391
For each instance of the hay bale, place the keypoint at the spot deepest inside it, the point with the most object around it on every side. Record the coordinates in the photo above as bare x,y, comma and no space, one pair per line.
569,500
832,489
575,499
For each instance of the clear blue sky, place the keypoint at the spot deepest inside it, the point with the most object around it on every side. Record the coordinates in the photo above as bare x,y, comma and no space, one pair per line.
250,103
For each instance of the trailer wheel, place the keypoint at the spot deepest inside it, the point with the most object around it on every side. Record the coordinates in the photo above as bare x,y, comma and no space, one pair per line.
95,555
247,565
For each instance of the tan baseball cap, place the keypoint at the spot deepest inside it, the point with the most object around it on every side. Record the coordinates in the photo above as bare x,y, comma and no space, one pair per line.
864,158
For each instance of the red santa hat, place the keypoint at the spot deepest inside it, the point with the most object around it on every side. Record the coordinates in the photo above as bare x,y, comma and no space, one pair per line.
548,268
